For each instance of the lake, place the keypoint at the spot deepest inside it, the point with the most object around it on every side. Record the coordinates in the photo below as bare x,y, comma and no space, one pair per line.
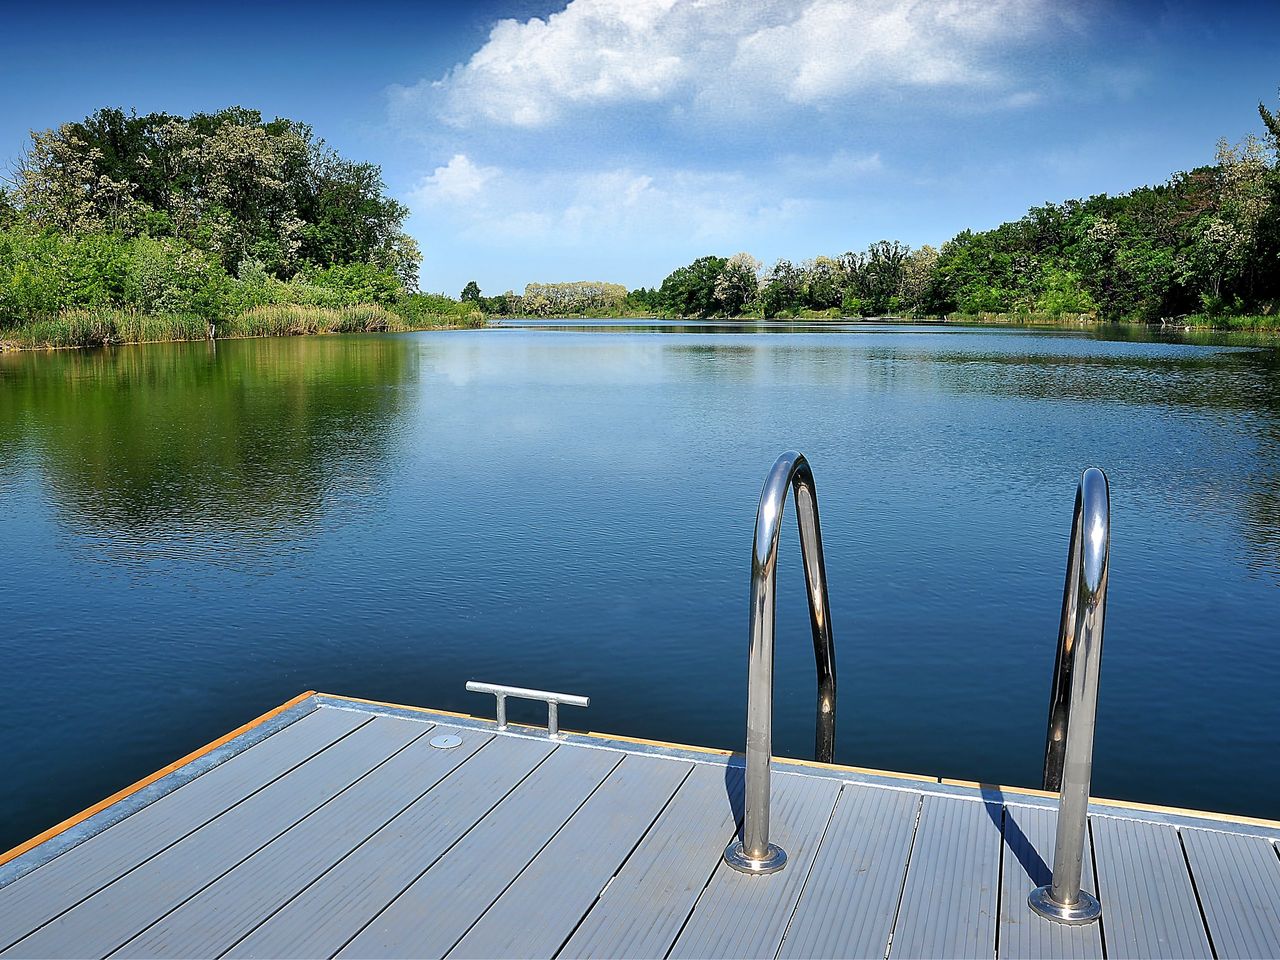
194,533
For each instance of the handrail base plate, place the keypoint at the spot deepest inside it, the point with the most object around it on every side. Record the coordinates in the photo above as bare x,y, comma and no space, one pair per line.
774,860
1085,910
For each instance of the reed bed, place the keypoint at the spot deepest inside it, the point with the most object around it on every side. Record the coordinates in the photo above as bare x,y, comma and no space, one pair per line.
95,328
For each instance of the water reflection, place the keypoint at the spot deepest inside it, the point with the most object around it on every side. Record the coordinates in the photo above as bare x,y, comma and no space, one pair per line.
200,445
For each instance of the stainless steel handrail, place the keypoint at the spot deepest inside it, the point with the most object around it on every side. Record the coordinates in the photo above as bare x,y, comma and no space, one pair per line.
552,700
754,853
1073,703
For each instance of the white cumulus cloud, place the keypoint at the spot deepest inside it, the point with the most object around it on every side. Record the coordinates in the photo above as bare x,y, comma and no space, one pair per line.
727,55
460,179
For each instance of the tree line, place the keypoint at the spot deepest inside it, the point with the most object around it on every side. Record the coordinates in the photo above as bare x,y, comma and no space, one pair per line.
1204,246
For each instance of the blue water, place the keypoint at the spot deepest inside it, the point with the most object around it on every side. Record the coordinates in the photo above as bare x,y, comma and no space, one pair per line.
193,534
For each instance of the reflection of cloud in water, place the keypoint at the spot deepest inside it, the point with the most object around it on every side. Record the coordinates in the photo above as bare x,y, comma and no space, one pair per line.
555,358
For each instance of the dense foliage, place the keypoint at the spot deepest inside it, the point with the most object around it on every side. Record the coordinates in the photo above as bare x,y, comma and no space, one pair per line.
1206,242
208,217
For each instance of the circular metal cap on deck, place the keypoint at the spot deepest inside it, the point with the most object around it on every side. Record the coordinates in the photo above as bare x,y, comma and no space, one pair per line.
1085,910
774,860
446,741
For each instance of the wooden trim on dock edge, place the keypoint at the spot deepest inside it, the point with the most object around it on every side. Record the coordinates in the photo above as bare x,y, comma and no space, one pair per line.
133,788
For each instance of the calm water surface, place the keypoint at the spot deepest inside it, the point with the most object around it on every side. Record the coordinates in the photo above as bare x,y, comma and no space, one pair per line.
193,534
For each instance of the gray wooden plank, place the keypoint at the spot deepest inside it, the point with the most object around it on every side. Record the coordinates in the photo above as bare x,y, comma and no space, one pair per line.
103,922
1149,908
1029,836
744,916
539,911
438,908
36,898
641,912
224,912
1238,880
851,897
329,912
948,904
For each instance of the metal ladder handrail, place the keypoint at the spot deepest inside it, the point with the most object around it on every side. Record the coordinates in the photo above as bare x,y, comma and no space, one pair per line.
1073,702
754,853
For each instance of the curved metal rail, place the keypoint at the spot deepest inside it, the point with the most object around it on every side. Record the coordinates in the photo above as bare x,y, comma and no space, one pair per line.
1068,758
754,853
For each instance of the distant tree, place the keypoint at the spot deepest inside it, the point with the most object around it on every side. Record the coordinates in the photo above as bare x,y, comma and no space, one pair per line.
917,280
737,284
780,290
822,286
1222,258
471,292
579,298
690,291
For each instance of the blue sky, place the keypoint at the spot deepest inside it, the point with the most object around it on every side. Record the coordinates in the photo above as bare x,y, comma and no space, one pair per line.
617,139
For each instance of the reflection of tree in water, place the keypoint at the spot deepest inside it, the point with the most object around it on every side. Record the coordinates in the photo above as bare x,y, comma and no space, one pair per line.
192,442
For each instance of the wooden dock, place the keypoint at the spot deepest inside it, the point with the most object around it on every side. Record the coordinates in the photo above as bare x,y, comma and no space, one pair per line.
338,827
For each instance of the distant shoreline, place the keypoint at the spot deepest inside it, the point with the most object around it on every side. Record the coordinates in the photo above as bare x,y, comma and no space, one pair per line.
82,330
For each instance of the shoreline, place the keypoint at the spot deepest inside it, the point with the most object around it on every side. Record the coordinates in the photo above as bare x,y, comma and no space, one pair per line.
387,322
87,329
9,346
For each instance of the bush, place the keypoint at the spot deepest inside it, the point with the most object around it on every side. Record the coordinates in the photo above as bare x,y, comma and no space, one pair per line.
358,283
169,276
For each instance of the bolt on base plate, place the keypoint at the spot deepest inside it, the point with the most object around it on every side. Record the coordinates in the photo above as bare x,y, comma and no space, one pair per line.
774,860
1085,910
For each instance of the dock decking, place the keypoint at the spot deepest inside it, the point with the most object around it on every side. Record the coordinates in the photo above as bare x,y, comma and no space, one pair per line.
336,828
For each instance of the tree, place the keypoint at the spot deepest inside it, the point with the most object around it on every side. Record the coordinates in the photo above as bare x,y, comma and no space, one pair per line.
691,291
737,283
1222,258
228,182
470,293
822,284
917,280
780,289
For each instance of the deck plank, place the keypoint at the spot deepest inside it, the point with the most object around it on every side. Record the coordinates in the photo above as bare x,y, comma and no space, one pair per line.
1149,908
328,913
851,896
1029,837
949,899
744,916
102,923
38,897
437,910
577,864
1238,880
641,912
222,914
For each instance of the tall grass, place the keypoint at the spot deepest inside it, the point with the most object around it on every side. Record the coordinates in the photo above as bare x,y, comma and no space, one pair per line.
93,328
1221,322
1033,318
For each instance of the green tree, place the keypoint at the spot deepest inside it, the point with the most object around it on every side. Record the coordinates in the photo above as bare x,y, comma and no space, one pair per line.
690,291
736,284
470,293
228,182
